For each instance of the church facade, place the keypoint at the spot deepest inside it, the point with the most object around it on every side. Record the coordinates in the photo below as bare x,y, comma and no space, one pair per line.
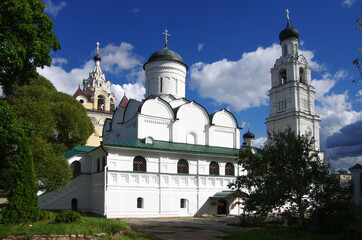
167,156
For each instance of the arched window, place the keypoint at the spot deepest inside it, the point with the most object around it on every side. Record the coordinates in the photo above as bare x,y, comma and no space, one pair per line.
161,82
98,165
183,203
229,169
182,166
76,168
285,49
139,202
283,76
139,164
101,103
113,106
301,75
214,168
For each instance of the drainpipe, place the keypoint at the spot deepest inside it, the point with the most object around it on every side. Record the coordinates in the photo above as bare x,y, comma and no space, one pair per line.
105,190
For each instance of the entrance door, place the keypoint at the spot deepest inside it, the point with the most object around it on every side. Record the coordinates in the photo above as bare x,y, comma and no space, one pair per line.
221,206
75,204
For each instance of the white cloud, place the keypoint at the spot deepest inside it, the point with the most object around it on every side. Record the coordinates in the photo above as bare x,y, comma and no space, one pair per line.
309,55
259,142
200,46
135,91
348,3
119,60
359,95
59,61
52,8
325,84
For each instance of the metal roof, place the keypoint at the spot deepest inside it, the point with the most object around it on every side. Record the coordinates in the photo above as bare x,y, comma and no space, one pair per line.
176,147
78,150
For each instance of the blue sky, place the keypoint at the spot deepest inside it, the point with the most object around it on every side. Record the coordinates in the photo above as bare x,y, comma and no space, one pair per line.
229,47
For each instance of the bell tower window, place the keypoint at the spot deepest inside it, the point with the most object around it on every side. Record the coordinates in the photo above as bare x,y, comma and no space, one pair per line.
301,75
283,76
101,103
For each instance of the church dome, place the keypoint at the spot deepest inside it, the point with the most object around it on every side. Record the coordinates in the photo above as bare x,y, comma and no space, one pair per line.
97,58
288,32
165,54
249,135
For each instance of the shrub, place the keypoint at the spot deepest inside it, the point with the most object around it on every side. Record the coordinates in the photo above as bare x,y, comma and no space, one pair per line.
247,220
67,217
44,215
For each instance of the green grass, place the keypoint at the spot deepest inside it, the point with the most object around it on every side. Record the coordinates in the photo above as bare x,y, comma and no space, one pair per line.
87,225
280,233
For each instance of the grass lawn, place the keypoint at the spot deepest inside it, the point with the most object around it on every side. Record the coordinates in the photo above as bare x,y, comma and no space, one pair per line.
87,225
280,233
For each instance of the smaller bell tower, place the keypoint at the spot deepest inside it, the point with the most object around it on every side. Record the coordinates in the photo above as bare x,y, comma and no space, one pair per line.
292,94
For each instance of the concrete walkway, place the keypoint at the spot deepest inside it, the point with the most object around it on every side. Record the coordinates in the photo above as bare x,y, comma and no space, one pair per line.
186,228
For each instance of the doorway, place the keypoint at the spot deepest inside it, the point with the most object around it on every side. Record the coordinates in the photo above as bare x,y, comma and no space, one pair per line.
221,206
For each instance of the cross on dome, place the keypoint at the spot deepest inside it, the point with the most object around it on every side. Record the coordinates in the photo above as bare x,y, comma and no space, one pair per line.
97,47
166,34
287,14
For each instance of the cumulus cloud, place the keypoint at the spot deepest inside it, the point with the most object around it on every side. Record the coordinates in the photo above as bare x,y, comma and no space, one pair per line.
348,3
359,95
52,8
119,60
259,142
200,46
241,84
324,85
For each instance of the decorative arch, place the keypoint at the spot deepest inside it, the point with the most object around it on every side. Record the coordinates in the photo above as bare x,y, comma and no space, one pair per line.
220,118
139,164
214,168
157,107
182,166
197,106
229,169
191,138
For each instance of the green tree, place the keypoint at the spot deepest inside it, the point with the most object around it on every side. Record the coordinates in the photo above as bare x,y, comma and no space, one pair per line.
26,39
22,197
59,123
284,174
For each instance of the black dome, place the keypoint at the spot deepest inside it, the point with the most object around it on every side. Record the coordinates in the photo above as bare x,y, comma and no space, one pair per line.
97,58
288,32
165,54
249,135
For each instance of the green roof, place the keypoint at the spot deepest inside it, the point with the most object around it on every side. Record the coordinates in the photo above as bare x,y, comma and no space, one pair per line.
228,193
78,150
176,147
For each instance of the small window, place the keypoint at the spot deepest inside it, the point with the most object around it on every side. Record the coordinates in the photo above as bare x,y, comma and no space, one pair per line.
182,166
81,101
183,203
139,202
139,164
283,76
214,168
161,80
301,75
229,169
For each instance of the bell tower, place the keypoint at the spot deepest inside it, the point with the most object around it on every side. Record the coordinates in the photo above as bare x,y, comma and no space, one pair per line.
291,94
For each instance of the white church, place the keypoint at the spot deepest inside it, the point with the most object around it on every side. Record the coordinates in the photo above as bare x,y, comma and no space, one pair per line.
167,156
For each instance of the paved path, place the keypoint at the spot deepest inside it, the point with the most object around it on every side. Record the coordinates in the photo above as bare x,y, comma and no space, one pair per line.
186,228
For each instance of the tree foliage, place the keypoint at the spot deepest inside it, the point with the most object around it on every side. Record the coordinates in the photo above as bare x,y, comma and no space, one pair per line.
285,173
59,123
22,197
26,39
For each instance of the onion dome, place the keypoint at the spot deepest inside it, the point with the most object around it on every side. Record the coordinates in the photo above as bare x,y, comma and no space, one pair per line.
288,32
165,54
249,135
97,58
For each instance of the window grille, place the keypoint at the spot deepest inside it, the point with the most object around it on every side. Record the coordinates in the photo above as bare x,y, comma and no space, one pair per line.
139,164
229,169
214,168
182,166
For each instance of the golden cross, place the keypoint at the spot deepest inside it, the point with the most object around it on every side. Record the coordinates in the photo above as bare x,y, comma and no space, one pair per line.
97,47
287,14
248,126
166,34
